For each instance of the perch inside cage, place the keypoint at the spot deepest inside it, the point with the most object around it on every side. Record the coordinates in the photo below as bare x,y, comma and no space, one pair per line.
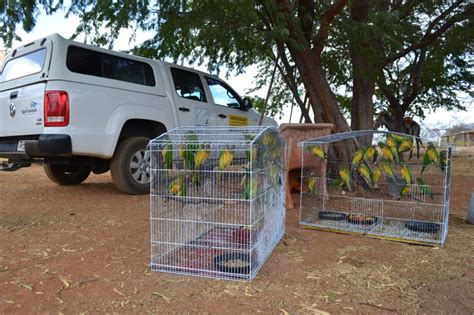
216,200
381,184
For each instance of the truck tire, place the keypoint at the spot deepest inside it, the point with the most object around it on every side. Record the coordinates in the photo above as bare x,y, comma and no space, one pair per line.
130,166
66,175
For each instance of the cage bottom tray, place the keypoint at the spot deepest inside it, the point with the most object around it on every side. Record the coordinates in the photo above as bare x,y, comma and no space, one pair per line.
388,229
198,257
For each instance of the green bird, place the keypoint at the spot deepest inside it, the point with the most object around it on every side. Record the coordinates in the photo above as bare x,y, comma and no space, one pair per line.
274,172
364,171
167,154
357,157
431,156
177,187
398,138
387,152
406,174
251,188
312,185
388,170
225,159
345,175
319,152
406,145
390,141
425,189
370,154
376,175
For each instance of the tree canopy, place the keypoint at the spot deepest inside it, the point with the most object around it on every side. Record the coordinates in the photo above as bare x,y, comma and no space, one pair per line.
331,57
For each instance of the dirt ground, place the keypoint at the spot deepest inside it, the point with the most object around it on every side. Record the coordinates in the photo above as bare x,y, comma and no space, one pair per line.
85,249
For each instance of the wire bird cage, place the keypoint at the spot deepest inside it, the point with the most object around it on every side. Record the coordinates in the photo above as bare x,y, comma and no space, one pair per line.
217,200
387,189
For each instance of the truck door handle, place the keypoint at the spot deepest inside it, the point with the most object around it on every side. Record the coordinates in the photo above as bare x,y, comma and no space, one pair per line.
184,109
13,95
222,116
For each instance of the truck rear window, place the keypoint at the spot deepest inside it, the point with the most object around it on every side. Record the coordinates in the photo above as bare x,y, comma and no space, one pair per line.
24,65
90,62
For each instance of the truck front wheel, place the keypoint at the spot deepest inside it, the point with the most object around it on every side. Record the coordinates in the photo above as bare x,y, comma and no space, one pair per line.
130,166
65,175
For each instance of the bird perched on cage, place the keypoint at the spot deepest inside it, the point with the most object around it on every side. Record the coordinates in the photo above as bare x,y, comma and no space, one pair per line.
376,175
387,152
406,173
345,174
274,172
431,156
388,170
390,141
312,185
167,154
319,152
425,189
406,144
357,157
405,190
225,159
202,154
370,154
251,188
364,171
177,186
267,138
187,156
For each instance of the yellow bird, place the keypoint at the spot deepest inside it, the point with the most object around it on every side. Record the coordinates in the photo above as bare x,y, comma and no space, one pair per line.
386,152
201,156
365,173
391,142
376,174
406,144
267,138
370,154
358,156
319,152
388,170
312,185
177,187
345,175
406,174
225,159
398,138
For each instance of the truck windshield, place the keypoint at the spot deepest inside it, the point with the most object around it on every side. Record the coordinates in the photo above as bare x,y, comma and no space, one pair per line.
22,66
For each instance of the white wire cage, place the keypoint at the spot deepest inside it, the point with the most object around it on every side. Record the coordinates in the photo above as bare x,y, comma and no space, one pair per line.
387,188
217,200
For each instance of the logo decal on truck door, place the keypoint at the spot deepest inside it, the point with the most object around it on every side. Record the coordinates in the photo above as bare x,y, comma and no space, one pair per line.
12,110
202,117
235,120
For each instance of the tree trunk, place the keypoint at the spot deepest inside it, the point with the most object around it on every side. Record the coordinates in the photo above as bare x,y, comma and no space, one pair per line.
362,109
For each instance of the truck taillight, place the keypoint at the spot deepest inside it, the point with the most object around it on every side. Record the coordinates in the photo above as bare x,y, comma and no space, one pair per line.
56,109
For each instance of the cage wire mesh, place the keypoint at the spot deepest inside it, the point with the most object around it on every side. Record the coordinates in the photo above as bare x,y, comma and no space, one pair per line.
378,184
217,200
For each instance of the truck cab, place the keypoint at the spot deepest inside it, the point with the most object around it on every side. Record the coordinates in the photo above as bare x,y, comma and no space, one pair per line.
78,109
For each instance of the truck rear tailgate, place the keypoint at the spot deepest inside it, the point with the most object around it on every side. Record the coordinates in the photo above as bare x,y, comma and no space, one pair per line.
21,110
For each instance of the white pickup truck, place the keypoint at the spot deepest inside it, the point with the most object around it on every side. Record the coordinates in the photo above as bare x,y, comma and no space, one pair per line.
79,109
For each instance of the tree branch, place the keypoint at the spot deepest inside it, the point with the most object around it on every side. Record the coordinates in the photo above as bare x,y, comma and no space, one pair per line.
389,95
415,79
429,37
324,27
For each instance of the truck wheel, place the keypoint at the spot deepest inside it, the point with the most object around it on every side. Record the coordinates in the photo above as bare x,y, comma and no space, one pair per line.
65,175
130,166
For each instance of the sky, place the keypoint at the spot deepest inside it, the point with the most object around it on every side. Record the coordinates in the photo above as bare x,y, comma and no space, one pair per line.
56,23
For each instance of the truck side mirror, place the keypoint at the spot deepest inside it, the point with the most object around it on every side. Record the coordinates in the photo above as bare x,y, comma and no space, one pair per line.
247,103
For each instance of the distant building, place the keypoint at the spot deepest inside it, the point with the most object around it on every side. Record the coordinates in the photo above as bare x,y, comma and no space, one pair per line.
464,138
